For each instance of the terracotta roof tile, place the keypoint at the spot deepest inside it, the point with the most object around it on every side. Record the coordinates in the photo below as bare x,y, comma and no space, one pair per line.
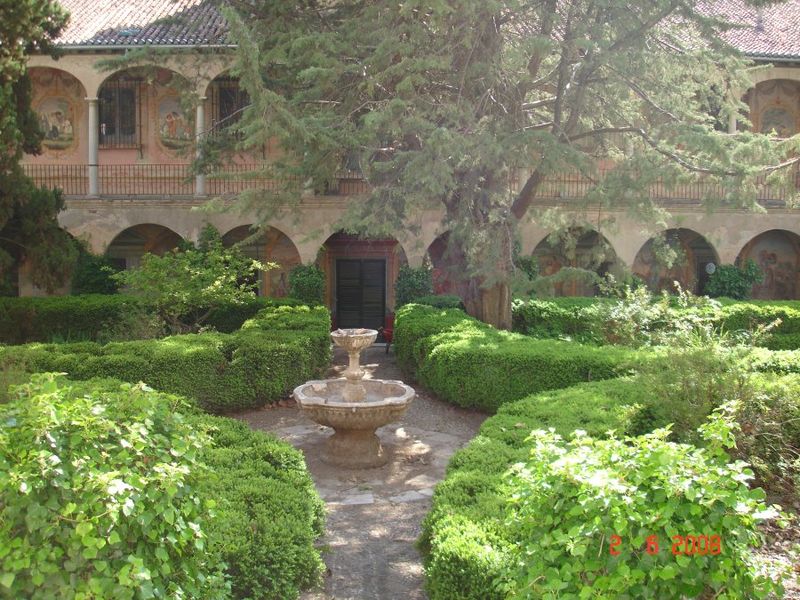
141,22
769,32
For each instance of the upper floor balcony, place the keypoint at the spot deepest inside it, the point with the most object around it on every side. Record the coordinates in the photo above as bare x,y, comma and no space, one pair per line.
162,182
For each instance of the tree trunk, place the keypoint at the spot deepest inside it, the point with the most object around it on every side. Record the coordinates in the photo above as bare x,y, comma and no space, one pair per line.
492,305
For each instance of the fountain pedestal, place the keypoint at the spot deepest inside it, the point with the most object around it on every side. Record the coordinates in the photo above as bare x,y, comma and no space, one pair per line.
354,407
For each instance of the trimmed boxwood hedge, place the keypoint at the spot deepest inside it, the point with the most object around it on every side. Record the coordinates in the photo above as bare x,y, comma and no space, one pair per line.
268,512
463,536
28,319
471,364
274,351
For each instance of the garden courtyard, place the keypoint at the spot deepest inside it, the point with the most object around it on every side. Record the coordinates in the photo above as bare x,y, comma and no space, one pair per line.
638,445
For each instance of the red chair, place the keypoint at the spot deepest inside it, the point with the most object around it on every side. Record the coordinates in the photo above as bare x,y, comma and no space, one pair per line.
388,330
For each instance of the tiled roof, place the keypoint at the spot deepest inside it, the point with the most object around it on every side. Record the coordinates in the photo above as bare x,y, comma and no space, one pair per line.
108,23
769,32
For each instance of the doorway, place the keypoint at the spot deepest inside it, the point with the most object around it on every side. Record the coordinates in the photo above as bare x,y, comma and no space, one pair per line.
360,293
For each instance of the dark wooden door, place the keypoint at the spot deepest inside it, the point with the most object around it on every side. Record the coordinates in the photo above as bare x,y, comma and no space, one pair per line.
360,292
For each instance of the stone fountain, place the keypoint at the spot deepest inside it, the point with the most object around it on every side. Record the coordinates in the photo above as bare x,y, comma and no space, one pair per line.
353,406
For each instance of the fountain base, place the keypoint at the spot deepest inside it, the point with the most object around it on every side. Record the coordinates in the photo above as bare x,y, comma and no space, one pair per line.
354,449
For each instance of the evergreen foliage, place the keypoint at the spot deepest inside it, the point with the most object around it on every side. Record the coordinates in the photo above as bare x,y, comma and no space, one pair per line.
28,228
412,283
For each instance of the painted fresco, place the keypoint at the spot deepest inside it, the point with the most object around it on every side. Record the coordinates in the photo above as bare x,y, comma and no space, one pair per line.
56,118
777,255
175,131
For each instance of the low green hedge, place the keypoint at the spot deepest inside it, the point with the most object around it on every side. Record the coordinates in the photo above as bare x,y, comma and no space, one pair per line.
274,351
577,318
100,518
65,318
471,364
441,301
24,319
268,512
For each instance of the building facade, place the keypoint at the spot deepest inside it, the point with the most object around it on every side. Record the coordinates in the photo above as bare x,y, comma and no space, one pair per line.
119,143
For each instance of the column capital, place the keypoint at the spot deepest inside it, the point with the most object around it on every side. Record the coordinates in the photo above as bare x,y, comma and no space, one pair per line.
91,99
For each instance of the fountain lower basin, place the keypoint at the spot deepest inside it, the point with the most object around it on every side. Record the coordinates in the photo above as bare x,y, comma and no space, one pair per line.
354,443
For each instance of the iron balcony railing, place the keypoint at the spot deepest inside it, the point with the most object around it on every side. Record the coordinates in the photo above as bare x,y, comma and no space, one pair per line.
167,180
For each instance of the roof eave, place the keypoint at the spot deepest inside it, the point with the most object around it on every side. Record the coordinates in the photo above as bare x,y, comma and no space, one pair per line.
96,47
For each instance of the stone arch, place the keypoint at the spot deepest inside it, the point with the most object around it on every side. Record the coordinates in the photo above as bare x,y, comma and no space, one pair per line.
777,252
270,245
576,247
690,269
129,245
368,252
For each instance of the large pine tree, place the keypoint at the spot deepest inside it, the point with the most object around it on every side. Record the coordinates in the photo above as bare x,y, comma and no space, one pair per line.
440,103
28,228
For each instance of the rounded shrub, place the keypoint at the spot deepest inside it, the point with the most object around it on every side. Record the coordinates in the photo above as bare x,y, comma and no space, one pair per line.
731,281
412,283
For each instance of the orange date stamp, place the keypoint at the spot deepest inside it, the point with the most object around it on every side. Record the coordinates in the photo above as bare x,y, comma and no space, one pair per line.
682,545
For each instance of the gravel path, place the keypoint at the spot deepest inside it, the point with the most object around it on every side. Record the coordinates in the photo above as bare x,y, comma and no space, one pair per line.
374,515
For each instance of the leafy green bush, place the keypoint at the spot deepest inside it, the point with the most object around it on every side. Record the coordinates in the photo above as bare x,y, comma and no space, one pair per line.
638,318
307,284
92,317
99,496
185,285
785,341
570,499
275,351
469,363
747,316
488,536
67,317
412,283
731,281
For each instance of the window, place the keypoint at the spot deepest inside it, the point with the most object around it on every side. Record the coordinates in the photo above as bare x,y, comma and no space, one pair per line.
120,114
227,102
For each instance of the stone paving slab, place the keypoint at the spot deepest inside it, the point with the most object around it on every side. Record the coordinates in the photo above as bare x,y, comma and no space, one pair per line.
374,515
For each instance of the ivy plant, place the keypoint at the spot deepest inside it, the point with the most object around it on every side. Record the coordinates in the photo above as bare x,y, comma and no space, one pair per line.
98,496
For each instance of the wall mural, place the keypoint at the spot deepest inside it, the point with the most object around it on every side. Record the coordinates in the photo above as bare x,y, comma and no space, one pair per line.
56,118
779,120
777,256
175,131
